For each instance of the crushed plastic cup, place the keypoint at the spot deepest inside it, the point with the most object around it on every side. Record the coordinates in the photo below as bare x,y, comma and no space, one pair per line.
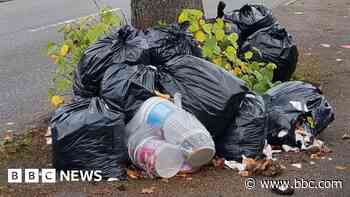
177,127
157,157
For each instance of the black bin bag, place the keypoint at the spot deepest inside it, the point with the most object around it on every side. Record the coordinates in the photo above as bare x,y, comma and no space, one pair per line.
274,45
126,87
168,42
208,92
249,19
88,136
124,45
293,102
247,133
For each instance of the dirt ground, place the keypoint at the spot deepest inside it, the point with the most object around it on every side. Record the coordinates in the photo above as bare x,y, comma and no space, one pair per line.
313,23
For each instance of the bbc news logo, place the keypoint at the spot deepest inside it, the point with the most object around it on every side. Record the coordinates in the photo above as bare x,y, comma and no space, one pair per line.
52,176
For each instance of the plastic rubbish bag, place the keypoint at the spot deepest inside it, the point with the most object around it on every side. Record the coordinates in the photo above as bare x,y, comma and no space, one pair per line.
293,106
250,18
88,136
125,45
210,93
168,42
246,135
126,87
274,45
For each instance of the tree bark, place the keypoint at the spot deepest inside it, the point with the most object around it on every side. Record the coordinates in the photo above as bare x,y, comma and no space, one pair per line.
147,13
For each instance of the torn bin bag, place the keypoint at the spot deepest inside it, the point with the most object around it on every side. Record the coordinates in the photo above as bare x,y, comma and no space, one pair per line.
274,45
169,42
126,87
208,92
88,136
247,133
293,102
125,45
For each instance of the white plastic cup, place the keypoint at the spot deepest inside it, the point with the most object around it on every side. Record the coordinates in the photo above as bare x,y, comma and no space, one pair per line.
178,127
157,157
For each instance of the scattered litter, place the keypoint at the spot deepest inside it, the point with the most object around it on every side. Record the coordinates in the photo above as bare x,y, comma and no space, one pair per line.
330,158
287,148
148,190
113,179
267,151
10,123
339,60
234,165
276,151
299,13
283,166
325,45
297,165
312,163
346,136
282,133
341,167
345,46
323,157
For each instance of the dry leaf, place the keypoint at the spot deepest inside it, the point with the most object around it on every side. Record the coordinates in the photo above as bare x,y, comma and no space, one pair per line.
340,167
8,135
315,156
133,174
148,190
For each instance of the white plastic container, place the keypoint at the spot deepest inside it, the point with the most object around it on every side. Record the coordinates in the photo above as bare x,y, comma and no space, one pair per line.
155,156
177,127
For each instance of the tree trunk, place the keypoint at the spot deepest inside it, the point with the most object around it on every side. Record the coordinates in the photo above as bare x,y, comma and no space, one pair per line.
146,13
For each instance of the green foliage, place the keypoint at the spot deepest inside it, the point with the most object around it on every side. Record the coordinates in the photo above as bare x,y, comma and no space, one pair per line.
221,49
77,37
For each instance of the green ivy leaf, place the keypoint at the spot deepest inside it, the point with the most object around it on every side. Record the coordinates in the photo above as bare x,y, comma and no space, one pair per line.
219,34
233,38
248,55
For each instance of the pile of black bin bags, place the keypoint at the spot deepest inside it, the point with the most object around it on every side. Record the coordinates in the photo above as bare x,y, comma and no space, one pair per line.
259,29
119,72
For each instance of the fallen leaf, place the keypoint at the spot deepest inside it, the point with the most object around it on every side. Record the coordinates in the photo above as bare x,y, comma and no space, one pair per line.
339,60
165,180
148,190
245,173
189,179
312,163
330,158
132,174
64,50
315,156
340,167
57,101
8,135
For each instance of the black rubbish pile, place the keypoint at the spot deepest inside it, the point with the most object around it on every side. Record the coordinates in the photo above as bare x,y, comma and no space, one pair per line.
119,72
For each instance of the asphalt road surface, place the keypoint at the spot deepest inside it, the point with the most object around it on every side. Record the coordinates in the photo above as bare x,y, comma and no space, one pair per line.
25,28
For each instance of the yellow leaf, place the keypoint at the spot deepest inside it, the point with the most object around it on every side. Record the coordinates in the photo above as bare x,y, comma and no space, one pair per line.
244,68
64,50
200,36
237,71
217,61
227,66
57,101
54,58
